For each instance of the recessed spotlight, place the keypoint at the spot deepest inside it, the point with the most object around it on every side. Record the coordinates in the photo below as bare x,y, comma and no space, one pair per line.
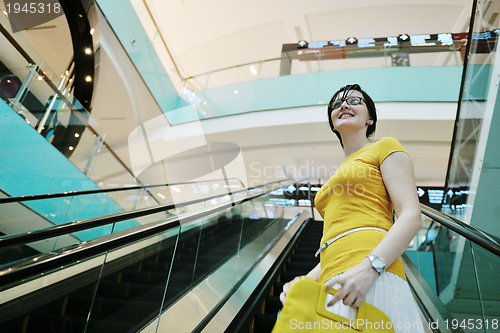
71,148
236,91
88,78
88,50
77,135
40,78
92,31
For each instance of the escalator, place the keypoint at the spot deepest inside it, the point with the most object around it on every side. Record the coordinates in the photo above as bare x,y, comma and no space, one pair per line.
455,284
124,280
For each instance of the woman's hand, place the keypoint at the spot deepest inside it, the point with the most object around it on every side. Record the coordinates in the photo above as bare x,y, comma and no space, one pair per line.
355,283
286,288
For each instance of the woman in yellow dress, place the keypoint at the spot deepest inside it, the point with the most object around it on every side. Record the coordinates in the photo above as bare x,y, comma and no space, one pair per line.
361,246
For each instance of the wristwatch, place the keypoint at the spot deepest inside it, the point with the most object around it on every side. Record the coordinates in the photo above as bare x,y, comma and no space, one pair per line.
378,263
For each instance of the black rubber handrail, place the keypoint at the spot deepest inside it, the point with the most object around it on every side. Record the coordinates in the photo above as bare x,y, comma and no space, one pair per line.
85,250
97,191
80,225
488,242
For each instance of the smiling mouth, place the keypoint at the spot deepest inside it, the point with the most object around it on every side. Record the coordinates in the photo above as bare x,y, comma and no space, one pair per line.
345,115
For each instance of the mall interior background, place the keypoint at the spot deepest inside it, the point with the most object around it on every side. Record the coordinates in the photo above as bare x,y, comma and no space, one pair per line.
167,77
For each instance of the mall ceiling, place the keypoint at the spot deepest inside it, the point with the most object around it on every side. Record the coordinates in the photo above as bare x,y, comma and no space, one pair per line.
203,36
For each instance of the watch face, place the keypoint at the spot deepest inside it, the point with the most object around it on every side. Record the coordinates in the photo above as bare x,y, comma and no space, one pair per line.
378,263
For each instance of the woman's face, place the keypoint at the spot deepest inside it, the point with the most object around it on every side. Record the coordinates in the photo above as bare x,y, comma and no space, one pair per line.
353,116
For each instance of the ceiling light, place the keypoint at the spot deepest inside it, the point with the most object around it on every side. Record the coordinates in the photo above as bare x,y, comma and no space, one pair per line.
88,50
176,189
236,91
71,148
253,70
88,78
5,13
77,135
204,103
92,31
40,78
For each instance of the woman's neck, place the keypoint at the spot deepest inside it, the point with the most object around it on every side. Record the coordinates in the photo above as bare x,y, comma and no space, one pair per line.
353,142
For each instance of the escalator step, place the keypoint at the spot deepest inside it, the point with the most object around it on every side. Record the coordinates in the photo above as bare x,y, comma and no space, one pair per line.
297,257
39,322
278,287
289,275
273,304
306,251
304,266
124,311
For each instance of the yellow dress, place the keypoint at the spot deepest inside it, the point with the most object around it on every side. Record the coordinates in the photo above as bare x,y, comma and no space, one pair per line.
355,196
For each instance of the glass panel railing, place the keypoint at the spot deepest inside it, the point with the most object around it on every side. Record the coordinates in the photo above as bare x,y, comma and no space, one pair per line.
415,51
24,216
119,290
132,286
43,99
487,267
461,276
128,291
476,99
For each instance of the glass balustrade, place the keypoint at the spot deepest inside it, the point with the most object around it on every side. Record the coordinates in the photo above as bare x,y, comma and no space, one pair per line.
428,51
461,278
476,100
24,216
128,287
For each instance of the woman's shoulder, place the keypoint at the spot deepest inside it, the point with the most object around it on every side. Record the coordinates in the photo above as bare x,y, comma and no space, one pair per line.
388,145
388,140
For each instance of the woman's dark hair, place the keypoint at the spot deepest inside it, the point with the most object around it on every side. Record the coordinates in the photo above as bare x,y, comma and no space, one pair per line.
372,112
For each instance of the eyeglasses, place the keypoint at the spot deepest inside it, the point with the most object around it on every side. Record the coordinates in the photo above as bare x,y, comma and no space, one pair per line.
353,100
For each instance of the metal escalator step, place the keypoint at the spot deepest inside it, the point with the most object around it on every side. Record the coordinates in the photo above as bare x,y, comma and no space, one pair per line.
40,322
264,323
278,287
305,266
273,304
306,251
125,311
289,275
132,291
304,257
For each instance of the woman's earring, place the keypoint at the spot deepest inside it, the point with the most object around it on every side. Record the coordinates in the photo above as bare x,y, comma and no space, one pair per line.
370,122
